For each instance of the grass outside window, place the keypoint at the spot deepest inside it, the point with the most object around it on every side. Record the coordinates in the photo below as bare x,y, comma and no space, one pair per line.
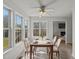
5,42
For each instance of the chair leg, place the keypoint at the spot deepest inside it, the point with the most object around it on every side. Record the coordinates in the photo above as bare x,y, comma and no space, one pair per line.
26,54
58,55
33,55
49,55
47,50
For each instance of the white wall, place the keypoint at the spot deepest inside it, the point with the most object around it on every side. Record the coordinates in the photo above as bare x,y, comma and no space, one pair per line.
69,30
73,30
73,37
50,30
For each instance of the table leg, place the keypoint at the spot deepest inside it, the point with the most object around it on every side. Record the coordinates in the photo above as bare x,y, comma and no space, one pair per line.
51,53
30,52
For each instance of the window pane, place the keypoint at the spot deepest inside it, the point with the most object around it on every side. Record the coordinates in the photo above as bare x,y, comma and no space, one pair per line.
6,16
26,24
18,21
5,39
36,32
6,23
18,35
43,25
43,32
26,33
36,25
26,29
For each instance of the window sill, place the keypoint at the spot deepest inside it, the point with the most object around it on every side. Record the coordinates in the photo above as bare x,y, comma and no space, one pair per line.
7,51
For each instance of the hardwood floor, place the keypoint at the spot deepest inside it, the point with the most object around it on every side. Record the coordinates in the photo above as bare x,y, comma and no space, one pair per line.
65,52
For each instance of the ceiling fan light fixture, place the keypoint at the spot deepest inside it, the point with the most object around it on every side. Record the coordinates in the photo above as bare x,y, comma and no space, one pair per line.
42,14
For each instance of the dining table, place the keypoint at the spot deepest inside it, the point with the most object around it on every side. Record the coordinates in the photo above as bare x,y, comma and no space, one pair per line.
40,43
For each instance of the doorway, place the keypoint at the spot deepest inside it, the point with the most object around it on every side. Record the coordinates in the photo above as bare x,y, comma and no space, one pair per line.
59,28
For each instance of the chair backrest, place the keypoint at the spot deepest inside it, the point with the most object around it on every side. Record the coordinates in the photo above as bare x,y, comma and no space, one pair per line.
58,42
26,44
54,39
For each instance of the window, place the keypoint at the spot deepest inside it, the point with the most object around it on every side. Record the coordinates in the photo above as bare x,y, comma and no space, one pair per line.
12,29
18,21
36,29
18,29
36,25
5,39
43,32
6,16
26,29
26,33
18,35
43,29
39,29
35,32
6,28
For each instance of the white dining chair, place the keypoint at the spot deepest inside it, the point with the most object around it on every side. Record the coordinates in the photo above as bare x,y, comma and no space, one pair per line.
27,48
56,48
54,39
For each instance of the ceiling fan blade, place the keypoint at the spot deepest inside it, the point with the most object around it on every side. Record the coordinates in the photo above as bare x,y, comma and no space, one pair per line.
51,2
50,9
35,7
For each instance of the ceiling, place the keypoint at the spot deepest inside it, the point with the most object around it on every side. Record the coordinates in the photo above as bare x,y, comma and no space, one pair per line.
59,7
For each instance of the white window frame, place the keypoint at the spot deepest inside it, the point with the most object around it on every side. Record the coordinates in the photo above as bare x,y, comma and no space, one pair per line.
16,13
12,29
9,28
32,25
26,21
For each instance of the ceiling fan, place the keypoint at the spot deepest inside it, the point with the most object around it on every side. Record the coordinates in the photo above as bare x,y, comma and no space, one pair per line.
44,7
